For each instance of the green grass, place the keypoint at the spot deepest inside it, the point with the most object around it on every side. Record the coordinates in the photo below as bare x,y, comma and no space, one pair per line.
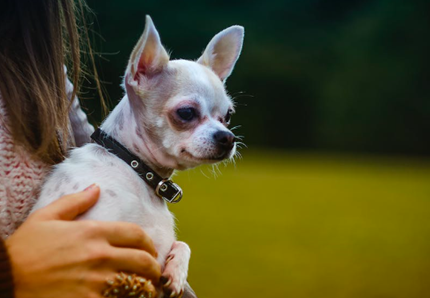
297,225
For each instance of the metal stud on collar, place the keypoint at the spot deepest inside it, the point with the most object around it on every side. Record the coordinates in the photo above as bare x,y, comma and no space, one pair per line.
134,164
149,176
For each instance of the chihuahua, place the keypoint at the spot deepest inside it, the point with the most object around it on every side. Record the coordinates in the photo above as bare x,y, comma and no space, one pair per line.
174,116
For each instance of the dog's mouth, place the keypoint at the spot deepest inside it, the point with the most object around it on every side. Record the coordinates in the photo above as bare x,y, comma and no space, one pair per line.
207,159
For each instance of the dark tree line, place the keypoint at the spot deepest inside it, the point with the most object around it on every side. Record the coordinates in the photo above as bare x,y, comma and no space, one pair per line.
325,75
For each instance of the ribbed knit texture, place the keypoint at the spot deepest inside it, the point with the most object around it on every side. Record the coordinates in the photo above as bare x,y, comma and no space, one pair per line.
20,179
21,175
6,279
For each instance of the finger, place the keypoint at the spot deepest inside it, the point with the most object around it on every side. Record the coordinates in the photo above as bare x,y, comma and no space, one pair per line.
124,234
70,206
136,261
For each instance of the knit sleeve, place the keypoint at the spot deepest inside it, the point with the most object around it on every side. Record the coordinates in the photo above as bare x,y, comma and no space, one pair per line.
6,279
82,129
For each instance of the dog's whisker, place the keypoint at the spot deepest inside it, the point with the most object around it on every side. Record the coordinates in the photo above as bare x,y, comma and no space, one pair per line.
240,95
214,171
232,160
204,174
218,171
241,144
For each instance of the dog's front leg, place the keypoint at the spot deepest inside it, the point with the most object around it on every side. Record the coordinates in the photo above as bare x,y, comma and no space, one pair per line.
174,277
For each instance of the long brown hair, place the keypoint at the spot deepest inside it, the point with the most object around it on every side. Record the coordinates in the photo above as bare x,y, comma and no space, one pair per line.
37,38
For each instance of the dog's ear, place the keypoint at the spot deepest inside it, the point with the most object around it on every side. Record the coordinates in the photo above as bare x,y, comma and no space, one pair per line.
148,56
223,51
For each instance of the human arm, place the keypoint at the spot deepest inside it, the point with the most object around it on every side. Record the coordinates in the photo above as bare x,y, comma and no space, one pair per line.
81,128
53,256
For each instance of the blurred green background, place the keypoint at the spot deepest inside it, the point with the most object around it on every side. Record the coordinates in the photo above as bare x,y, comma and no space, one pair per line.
308,226
332,196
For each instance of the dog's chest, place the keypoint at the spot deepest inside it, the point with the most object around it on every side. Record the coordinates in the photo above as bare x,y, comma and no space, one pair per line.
124,195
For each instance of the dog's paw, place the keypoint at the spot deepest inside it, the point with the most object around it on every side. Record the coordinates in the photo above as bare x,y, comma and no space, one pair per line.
173,278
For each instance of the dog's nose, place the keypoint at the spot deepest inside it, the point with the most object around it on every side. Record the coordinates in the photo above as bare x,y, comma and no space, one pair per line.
224,139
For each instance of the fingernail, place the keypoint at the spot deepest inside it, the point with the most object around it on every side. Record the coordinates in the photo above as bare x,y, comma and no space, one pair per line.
168,259
163,280
92,186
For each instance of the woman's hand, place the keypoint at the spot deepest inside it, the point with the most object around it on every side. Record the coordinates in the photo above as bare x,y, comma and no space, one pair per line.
53,256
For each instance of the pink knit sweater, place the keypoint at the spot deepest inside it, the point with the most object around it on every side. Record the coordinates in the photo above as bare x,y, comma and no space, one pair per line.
21,175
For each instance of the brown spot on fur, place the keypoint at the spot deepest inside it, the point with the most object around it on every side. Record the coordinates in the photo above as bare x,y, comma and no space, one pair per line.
139,133
49,192
66,179
120,121
150,133
100,150
136,148
111,193
57,187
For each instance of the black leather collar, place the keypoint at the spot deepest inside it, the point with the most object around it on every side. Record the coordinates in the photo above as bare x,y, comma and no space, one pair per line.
164,188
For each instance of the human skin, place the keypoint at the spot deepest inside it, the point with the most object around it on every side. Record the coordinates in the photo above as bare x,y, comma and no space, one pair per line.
54,256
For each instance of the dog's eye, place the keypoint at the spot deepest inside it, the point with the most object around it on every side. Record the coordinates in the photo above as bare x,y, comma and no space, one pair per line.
186,114
228,116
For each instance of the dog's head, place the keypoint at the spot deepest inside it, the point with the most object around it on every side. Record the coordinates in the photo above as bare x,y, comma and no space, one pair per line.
182,106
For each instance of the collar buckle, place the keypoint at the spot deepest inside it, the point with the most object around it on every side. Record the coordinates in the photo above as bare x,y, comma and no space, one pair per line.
169,191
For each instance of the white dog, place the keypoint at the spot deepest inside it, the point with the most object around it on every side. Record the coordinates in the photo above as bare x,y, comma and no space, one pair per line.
174,116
